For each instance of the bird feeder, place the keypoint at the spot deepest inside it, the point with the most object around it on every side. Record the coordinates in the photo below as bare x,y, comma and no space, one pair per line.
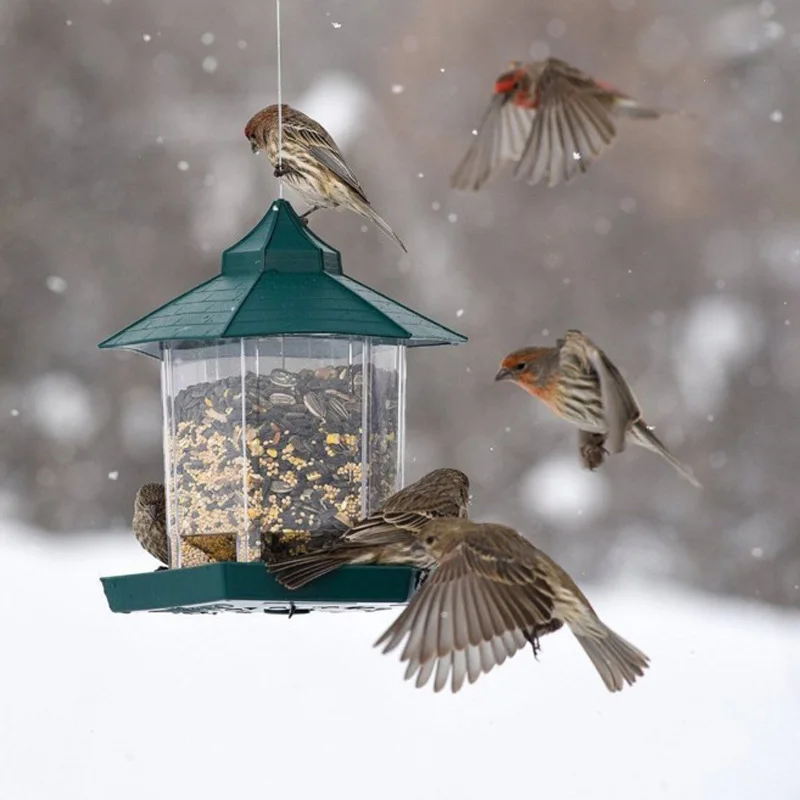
283,391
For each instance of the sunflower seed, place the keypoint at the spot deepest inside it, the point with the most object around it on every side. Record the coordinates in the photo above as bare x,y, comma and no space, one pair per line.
281,399
315,403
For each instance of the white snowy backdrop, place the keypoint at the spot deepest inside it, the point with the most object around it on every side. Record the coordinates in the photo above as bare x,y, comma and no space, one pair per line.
125,173
96,705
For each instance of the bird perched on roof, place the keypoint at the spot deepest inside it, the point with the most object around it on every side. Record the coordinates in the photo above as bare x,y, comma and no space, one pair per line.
579,383
311,163
550,119
491,593
388,536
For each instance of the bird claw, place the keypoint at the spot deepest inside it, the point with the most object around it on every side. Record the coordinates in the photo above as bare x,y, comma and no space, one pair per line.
281,170
592,449
533,638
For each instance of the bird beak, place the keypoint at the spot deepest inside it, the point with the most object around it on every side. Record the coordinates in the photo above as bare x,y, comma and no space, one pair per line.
503,375
255,148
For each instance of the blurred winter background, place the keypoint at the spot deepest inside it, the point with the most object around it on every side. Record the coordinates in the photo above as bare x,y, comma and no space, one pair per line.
126,173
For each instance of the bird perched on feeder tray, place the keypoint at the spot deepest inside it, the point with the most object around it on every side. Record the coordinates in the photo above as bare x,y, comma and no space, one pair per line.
390,535
578,382
150,520
150,529
491,593
551,119
311,163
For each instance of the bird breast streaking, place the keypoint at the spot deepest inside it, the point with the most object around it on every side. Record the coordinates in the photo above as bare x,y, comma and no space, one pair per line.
311,163
491,594
550,119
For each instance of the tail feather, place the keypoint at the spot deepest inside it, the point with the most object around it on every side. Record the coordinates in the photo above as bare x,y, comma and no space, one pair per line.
369,212
644,437
617,661
628,107
296,572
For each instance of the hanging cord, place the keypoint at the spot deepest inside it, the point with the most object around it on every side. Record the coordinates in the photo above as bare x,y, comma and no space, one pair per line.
280,96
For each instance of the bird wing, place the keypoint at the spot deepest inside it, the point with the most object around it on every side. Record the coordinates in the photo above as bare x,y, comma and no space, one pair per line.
322,147
387,528
501,138
475,611
620,407
571,128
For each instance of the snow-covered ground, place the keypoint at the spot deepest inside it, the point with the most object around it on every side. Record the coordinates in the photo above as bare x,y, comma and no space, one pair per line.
95,705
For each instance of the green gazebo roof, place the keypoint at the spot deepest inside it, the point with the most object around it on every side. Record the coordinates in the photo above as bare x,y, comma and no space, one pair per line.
280,279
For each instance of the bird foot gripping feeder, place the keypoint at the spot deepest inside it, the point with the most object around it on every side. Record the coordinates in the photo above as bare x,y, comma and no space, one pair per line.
283,389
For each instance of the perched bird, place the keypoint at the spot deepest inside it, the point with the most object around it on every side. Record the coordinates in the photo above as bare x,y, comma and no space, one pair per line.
311,163
150,528
577,381
390,535
493,592
150,520
549,118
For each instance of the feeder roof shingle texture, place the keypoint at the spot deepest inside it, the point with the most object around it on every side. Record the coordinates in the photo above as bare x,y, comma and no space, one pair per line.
280,279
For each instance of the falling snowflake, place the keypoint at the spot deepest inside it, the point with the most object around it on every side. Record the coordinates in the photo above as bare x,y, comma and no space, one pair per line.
183,166
56,284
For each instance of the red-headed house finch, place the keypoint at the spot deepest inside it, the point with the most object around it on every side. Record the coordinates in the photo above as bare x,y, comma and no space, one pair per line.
150,520
549,118
577,382
390,535
491,587
311,163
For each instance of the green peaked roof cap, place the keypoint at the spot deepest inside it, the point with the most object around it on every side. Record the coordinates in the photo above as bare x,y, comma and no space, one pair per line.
280,279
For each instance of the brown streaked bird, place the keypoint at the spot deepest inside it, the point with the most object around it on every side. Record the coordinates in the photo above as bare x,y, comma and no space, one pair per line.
150,529
311,164
150,520
579,383
550,119
490,588
390,535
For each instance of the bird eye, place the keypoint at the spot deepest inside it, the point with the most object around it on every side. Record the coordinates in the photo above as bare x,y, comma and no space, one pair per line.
519,367
429,540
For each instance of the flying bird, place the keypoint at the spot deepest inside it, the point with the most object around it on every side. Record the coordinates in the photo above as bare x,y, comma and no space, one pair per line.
311,163
491,593
550,119
390,535
579,383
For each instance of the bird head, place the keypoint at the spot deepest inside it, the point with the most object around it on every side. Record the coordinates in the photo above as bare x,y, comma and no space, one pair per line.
259,126
512,80
440,536
529,367
452,482
149,498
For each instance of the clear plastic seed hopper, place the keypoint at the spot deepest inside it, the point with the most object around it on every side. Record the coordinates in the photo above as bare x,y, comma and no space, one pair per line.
283,388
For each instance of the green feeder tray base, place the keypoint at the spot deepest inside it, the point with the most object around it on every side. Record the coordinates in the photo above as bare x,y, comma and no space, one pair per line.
249,587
